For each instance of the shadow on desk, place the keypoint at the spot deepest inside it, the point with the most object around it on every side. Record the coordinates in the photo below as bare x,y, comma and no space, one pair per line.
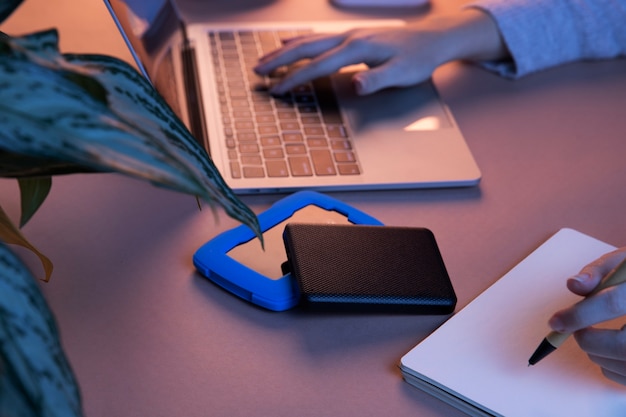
466,86
321,334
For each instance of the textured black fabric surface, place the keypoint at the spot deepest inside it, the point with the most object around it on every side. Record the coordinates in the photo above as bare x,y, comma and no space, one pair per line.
369,267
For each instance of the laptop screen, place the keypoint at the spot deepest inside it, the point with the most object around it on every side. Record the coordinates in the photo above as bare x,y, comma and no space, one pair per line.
151,29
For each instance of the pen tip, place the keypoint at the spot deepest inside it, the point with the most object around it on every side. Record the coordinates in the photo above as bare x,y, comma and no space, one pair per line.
544,349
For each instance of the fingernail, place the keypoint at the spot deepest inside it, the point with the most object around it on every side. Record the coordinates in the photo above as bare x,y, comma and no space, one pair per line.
580,282
582,278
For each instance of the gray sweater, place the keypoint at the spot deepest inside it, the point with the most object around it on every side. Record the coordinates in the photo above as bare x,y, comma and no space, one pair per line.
541,34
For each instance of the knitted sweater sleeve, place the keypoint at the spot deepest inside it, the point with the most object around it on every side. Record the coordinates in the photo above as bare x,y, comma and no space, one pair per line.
540,34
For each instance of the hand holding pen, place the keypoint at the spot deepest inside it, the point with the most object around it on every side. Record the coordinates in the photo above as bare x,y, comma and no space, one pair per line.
605,347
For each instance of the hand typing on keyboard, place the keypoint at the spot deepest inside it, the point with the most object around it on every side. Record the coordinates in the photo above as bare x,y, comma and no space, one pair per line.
299,133
396,57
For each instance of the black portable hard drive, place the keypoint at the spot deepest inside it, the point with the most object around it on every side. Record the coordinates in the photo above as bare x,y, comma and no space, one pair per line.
368,268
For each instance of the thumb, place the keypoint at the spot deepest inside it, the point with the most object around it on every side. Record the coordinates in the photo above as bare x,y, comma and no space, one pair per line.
384,76
365,83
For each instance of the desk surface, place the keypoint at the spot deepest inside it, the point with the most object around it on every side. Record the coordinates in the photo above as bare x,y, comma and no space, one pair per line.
147,336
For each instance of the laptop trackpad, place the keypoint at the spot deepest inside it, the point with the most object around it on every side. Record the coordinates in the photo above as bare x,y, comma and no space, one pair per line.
408,109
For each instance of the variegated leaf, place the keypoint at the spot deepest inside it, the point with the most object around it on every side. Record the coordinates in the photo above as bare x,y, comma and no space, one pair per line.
7,7
13,165
35,376
99,112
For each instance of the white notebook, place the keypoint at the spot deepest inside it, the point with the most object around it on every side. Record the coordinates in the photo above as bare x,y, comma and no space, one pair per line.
478,360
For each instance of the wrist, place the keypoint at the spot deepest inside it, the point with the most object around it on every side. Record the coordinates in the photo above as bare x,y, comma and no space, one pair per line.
473,35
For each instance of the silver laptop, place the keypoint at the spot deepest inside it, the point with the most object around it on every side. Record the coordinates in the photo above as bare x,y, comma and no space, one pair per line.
321,136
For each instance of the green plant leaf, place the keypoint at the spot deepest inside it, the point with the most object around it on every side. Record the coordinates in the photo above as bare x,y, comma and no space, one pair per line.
14,165
33,192
99,112
35,376
12,235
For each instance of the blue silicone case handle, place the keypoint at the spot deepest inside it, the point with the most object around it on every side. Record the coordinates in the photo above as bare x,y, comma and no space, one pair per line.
212,259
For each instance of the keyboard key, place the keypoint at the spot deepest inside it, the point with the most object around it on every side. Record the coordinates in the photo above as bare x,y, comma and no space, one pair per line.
339,145
277,168
265,118
226,36
237,94
323,162
287,115
300,166
348,169
235,169
246,136
246,36
290,126
270,141
317,142
242,114
251,160
344,157
310,119
268,130
314,131
293,137
253,172
263,107
236,83
249,148
266,36
238,104
244,125
295,149
336,131
273,153
231,64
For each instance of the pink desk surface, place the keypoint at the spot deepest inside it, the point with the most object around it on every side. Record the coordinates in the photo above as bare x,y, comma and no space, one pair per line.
147,336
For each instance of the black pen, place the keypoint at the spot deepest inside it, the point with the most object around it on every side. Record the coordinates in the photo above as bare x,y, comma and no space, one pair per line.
554,339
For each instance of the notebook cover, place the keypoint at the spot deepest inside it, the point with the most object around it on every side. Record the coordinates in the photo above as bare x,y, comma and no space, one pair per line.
369,268
478,360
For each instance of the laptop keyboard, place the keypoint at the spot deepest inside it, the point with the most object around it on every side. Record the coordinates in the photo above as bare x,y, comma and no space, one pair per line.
299,134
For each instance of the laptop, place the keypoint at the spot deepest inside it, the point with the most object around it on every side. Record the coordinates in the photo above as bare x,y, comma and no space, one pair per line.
321,136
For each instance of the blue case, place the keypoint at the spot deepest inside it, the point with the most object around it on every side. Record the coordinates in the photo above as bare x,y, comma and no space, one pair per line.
214,262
